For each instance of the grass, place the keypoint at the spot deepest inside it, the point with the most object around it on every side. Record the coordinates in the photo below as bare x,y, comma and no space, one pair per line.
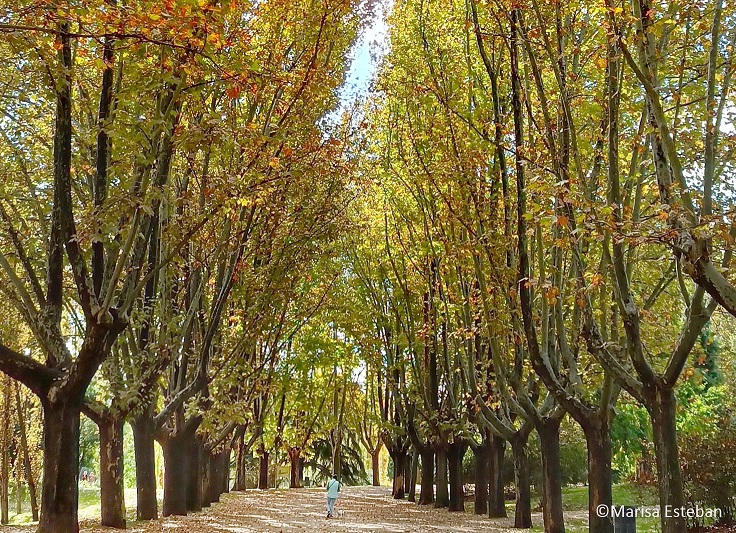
89,505
576,499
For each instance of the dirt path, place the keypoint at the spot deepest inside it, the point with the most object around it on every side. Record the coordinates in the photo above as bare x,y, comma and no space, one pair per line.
363,509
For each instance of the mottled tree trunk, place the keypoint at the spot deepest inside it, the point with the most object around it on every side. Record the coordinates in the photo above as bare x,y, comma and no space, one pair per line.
523,511
176,474
294,479
26,454
412,476
599,477
496,493
426,497
662,406
240,465
455,466
112,493
482,456
549,435
375,465
194,474
208,471
145,466
399,460
60,495
263,470
442,494
5,441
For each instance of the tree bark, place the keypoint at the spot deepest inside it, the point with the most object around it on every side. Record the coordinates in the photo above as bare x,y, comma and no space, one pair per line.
412,476
598,439
145,467
455,466
662,406
176,469
4,456
4,487
523,511
194,478
399,460
496,496
294,478
240,464
208,471
26,454
426,497
219,464
112,494
376,466
263,470
442,495
225,458
60,494
482,455
552,510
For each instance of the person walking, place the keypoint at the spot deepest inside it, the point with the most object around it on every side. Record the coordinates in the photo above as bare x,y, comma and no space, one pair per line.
333,491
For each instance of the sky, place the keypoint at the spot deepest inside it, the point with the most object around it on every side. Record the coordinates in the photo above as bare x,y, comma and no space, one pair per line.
366,54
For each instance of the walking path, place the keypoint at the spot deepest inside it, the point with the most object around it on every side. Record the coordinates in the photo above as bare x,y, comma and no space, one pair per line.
361,509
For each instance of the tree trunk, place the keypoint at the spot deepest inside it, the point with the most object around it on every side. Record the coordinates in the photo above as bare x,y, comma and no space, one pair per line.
399,459
60,491
523,511
455,466
598,439
18,488
375,465
4,486
496,493
426,497
216,478
240,465
223,462
662,407
194,477
263,470
442,496
26,454
482,456
552,511
224,457
5,441
112,492
208,469
412,476
176,474
294,455
145,467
